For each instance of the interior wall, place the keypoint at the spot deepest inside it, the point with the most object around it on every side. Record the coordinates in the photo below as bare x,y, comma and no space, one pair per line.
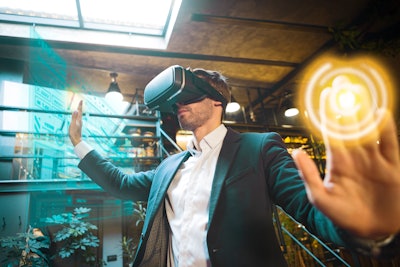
14,213
10,70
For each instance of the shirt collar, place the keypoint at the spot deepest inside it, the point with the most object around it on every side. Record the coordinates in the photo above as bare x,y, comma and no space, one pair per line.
210,141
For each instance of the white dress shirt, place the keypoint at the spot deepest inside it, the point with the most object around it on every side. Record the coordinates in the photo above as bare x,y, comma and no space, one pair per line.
187,202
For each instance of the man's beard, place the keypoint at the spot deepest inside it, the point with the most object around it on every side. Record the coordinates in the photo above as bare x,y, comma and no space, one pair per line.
195,118
188,126
191,122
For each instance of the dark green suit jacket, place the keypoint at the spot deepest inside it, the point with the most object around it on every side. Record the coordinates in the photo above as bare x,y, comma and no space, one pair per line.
254,171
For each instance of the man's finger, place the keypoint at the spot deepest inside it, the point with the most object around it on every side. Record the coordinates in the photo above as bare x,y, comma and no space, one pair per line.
79,116
309,173
389,143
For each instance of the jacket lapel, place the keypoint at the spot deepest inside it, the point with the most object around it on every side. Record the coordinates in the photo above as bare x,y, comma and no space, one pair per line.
228,151
168,173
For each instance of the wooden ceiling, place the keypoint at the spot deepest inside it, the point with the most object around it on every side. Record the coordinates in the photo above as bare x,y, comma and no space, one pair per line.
261,46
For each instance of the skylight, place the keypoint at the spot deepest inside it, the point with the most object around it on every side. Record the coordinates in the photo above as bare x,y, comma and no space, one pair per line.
127,17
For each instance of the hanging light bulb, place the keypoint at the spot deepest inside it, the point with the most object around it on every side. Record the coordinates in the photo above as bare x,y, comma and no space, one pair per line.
291,112
114,93
232,106
290,109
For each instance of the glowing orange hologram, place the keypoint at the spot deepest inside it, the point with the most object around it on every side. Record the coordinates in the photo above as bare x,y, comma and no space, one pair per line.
342,97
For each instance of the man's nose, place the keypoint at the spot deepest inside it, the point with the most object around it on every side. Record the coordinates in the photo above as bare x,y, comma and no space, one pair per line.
176,106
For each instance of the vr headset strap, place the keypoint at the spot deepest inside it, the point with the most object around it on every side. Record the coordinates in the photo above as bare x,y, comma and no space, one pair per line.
206,87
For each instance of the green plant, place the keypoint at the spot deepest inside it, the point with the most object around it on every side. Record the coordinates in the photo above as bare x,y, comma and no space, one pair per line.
24,249
129,247
140,211
129,244
76,235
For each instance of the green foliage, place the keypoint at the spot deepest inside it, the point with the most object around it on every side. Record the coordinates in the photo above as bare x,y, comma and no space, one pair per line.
140,211
129,243
347,38
24,249
129,247
75,235
374,31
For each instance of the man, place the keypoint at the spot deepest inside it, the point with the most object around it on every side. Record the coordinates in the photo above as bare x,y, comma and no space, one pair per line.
212,205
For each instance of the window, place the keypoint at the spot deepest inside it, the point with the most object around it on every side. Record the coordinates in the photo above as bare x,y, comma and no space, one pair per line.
93,20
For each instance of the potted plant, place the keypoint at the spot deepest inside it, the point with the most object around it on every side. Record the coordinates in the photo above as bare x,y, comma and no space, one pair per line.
76,236
25,249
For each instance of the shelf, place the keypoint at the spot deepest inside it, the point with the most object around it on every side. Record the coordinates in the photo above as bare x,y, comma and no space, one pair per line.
13,186
85,114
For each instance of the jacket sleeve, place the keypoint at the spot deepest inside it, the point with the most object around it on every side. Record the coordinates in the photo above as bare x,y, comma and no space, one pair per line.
134,187
288,191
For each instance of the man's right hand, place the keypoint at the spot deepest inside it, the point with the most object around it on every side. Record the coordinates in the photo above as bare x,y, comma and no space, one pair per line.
75,128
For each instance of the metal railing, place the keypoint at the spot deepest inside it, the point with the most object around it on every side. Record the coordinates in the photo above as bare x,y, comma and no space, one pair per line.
319,260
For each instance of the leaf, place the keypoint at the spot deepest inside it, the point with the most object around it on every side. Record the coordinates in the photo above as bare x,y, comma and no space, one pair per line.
82,210
65,253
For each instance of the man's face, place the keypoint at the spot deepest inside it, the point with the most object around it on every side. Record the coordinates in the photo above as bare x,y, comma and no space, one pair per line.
194,115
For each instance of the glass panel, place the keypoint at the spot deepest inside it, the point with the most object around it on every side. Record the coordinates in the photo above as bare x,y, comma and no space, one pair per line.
137,16
40,11
34,143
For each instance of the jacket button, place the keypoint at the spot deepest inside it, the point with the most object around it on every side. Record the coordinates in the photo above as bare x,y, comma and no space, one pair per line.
215,250
142,236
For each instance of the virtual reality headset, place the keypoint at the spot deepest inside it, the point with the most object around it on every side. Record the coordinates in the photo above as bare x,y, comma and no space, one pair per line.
178,85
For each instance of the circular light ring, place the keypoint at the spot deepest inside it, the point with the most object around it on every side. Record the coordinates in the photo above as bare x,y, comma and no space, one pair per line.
369,86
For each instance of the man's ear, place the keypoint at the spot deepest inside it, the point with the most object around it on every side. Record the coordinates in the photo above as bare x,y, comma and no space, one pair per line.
217,103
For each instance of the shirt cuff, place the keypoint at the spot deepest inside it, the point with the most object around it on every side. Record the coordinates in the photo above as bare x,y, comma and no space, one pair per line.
82,149
386,247
374,245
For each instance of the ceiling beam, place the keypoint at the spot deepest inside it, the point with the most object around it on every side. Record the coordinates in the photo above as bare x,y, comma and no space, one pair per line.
270,24
144,52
